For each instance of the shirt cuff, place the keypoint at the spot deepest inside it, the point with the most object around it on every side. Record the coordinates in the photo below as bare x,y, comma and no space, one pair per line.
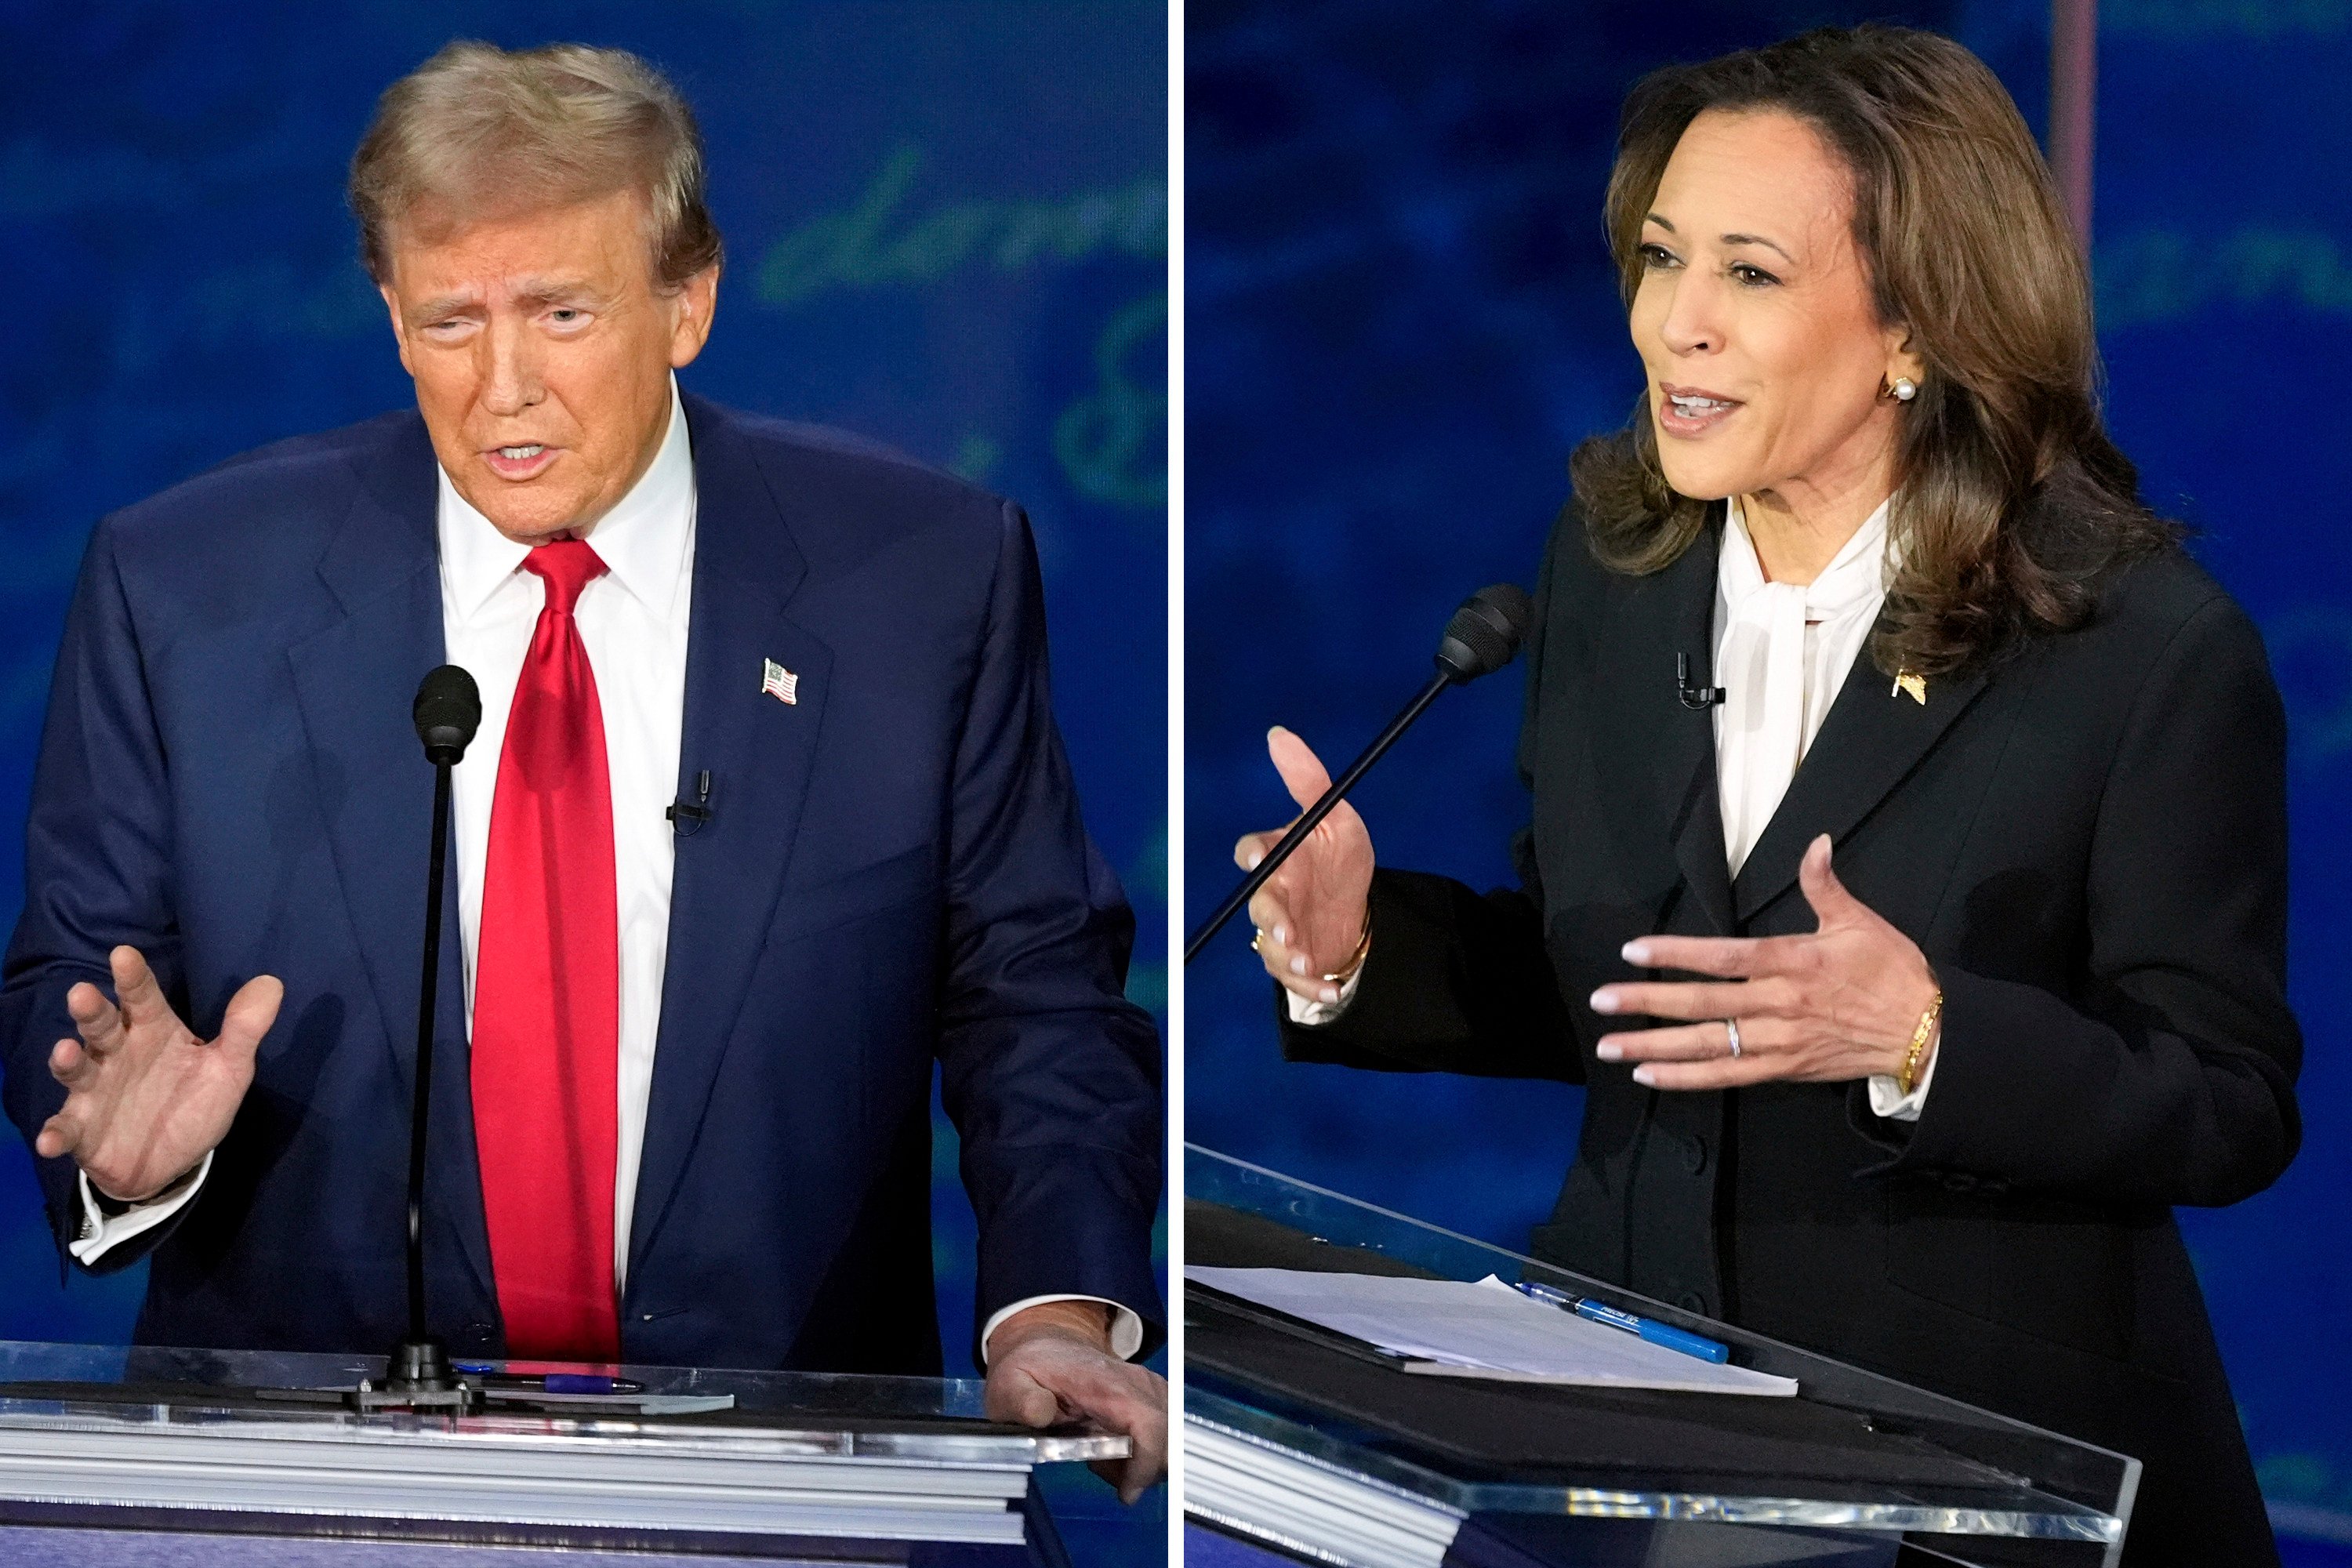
1890,1104
1125,1328
1312,1013
101,1233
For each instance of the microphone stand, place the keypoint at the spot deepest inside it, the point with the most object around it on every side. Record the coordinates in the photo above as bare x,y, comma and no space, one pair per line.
418,1375
1305,825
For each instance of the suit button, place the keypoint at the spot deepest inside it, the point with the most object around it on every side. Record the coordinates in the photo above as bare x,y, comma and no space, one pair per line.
1695,1154
1692,1301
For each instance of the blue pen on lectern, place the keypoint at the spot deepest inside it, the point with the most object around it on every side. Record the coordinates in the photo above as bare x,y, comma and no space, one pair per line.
1657,1333
548,1382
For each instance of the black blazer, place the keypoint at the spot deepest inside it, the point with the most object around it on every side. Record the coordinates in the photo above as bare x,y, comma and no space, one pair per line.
2088,840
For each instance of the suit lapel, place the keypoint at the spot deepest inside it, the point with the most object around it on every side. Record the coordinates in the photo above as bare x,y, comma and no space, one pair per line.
354,680
1653,754
759,752
1872,739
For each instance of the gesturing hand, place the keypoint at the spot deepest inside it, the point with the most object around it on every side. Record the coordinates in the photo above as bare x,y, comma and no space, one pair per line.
1839,1004
145,1100
1052,1362
1311,912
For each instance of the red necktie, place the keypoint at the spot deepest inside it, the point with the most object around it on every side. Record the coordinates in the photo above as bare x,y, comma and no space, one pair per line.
547,993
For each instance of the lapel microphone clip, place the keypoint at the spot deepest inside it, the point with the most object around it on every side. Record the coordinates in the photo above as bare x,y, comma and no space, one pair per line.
686,820
1694,697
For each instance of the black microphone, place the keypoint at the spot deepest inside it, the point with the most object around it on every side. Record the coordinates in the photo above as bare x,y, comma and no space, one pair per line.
1694,696
685,817
448,711
1482,637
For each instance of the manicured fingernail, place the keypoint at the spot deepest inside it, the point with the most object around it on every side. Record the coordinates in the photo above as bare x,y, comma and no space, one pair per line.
1609,1051
1299,964
1635,952
1255,856
1282,935
1643,1076
1604,1000
1330,993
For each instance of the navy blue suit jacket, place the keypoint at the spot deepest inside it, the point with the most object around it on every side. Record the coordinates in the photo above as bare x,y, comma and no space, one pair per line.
895,873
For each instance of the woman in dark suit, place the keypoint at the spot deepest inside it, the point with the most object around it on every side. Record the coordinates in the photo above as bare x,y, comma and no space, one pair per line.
1906,878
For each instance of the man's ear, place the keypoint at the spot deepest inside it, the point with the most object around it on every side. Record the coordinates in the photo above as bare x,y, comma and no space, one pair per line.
695,301
399,328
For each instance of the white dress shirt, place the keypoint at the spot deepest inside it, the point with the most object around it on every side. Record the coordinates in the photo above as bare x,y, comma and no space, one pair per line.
1783,652
633,621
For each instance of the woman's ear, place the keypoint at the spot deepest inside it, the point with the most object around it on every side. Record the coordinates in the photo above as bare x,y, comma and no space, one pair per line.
1904,359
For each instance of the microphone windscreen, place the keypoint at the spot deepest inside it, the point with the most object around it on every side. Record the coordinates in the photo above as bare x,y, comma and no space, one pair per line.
448,711
1484,633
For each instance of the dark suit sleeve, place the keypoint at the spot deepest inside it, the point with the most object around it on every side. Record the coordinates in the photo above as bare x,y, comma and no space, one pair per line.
96,865
2173,1080
1456,980
1051,1077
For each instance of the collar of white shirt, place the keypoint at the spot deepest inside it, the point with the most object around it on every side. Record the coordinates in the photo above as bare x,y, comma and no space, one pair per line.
1855,576
642,541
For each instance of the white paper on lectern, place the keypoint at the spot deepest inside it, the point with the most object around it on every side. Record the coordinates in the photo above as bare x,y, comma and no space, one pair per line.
1484,1331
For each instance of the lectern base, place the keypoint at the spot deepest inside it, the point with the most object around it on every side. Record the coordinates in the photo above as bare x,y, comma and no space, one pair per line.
62,1546
754,1467
1689,1548
1520,1541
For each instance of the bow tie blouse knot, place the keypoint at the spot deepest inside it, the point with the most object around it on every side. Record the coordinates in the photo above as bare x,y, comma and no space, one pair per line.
1782,650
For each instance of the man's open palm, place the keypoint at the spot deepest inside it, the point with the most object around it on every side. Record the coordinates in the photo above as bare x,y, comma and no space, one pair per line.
145,1100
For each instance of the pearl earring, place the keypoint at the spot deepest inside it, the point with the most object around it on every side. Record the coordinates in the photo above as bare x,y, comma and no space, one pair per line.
1905,389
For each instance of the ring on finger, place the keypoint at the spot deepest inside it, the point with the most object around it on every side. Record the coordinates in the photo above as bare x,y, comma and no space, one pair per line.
1731,1030
1257,935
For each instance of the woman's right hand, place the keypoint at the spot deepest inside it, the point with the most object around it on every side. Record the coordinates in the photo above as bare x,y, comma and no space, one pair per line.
1311,915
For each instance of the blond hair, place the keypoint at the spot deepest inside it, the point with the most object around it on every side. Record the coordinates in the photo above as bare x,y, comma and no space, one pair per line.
478,131
1959,223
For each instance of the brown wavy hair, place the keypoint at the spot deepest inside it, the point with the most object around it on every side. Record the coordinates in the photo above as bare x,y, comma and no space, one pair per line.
2010,498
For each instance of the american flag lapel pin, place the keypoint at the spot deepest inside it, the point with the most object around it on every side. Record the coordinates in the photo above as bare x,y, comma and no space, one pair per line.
779,683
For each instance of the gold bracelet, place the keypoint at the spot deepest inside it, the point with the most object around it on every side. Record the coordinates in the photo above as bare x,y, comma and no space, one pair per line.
1355,959
1919,1039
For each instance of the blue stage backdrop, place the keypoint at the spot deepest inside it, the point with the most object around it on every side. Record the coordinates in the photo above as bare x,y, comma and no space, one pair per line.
946,229
1400,318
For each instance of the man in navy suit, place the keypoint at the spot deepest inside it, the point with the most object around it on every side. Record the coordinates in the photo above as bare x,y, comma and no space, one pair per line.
681,1109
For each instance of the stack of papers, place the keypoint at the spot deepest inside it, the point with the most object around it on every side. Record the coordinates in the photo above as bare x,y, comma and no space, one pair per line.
1447,1328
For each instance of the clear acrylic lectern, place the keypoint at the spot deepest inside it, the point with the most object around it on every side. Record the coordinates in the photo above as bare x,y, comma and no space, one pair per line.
1293,1445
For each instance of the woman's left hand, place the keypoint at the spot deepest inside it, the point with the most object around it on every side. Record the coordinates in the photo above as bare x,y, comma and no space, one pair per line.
1841,1003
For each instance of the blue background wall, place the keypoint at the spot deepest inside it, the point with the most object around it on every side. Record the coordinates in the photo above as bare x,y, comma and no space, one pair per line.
1401,317
946,227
